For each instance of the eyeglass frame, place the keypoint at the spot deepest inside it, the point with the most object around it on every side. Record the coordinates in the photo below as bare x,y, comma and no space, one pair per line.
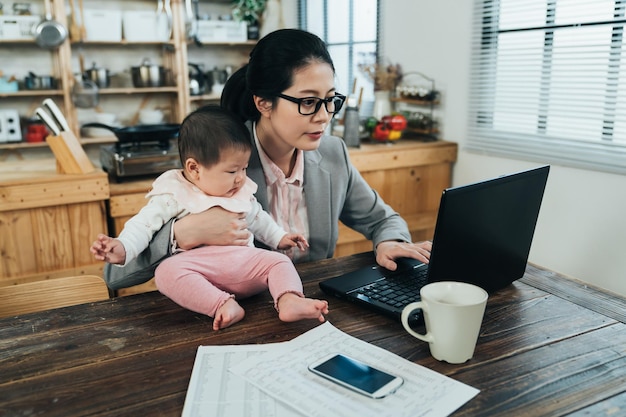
318,106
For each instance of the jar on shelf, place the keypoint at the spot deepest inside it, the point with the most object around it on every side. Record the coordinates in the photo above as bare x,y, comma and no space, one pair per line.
382,104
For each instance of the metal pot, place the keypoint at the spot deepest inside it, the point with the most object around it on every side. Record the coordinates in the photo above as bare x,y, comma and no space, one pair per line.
100,76
148,75
141,133
197,80
40,82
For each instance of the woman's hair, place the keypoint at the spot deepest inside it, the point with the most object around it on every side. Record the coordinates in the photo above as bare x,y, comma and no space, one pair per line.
209,130
270,69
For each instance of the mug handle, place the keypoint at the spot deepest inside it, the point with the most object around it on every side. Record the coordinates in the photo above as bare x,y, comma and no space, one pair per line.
408,310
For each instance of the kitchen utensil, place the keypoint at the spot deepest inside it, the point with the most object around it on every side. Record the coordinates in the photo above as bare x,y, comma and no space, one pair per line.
161,17
219,75
148,75
124,161
168,14
100,76
164,18
141,133
57,115
84,93
39,82
48,121
191,25
75,33
68,152
197,79
50,34
83,29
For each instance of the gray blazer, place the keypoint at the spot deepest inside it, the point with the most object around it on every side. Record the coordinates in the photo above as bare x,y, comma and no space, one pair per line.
334,191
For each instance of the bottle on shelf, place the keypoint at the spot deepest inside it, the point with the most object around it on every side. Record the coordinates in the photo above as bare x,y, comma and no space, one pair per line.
351,123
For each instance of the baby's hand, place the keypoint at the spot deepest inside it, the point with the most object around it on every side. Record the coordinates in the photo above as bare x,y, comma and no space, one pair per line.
108,249
291,240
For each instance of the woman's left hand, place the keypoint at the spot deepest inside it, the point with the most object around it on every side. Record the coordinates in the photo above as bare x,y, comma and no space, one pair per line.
388,251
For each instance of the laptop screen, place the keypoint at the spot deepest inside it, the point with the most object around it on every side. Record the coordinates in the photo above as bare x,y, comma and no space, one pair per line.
484,230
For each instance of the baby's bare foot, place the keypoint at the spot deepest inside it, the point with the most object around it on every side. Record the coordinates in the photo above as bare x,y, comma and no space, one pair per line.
292,307
228,314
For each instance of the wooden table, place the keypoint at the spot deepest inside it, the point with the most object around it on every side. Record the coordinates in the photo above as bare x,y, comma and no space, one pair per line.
548,346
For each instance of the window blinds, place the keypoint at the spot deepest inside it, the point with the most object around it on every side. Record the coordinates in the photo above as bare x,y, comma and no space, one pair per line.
548,82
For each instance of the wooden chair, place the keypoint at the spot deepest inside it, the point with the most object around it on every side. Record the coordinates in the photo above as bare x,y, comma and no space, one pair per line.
52,293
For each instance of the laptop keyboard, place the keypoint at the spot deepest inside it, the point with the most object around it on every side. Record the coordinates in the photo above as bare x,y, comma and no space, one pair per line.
397,290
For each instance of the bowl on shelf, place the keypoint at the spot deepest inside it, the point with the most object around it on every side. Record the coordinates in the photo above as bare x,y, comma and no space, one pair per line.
150,117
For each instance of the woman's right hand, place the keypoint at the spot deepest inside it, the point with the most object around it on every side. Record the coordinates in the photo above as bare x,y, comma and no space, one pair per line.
215,226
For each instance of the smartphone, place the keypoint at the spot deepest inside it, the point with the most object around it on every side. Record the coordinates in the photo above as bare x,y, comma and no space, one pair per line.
356,375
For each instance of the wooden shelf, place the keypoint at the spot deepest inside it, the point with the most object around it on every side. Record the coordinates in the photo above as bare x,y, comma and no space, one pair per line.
22,145
123,43
246,43
83,141
414,102
205,97
30,42
132,90
31,93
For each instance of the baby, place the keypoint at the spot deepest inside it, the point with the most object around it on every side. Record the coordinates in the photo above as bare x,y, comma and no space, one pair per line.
214,149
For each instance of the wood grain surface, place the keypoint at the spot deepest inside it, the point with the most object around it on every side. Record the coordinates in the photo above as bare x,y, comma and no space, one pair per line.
548,346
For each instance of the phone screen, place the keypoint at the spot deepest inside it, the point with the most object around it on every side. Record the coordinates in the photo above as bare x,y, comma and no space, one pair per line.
354,373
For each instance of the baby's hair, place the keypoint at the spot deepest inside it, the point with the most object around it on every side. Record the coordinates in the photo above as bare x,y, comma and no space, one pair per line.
209,130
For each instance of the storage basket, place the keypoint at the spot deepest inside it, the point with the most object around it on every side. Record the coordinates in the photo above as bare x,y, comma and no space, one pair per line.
103,25
18,27
221,31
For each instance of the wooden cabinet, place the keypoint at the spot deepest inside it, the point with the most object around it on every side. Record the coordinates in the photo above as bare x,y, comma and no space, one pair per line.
48,221
409,175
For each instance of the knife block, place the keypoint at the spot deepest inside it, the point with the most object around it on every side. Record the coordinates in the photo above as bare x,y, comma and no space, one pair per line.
69,153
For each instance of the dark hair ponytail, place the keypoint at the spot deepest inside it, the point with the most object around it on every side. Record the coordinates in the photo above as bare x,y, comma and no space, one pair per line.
270,69
237,98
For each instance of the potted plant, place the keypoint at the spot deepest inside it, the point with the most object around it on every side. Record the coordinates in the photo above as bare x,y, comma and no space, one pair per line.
249,11
385,79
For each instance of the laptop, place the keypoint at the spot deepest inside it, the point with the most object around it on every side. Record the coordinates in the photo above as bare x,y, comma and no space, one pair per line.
482,236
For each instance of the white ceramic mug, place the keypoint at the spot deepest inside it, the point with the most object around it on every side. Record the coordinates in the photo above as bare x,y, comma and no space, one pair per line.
453,313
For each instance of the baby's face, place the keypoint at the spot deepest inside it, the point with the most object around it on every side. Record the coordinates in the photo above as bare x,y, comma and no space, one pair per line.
226,177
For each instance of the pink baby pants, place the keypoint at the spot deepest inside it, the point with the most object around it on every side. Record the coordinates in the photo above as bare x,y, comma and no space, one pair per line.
202,279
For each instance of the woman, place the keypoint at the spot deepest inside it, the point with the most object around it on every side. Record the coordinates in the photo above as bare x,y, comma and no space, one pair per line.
287,96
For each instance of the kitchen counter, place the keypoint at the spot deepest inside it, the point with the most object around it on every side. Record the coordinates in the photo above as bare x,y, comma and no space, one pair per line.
48,221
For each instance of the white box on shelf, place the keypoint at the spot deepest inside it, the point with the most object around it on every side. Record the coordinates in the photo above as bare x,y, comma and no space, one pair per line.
10,130
222,31
103,25
145,26
18,27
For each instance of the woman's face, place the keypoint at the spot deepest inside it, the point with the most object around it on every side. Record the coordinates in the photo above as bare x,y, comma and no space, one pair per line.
282,125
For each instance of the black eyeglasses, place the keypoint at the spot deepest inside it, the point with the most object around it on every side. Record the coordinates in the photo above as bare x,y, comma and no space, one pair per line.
311,105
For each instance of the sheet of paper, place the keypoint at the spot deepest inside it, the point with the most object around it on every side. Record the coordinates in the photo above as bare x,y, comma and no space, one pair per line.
283,373
213,391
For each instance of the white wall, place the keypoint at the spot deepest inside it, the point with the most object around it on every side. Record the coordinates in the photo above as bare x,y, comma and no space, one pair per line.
581,230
